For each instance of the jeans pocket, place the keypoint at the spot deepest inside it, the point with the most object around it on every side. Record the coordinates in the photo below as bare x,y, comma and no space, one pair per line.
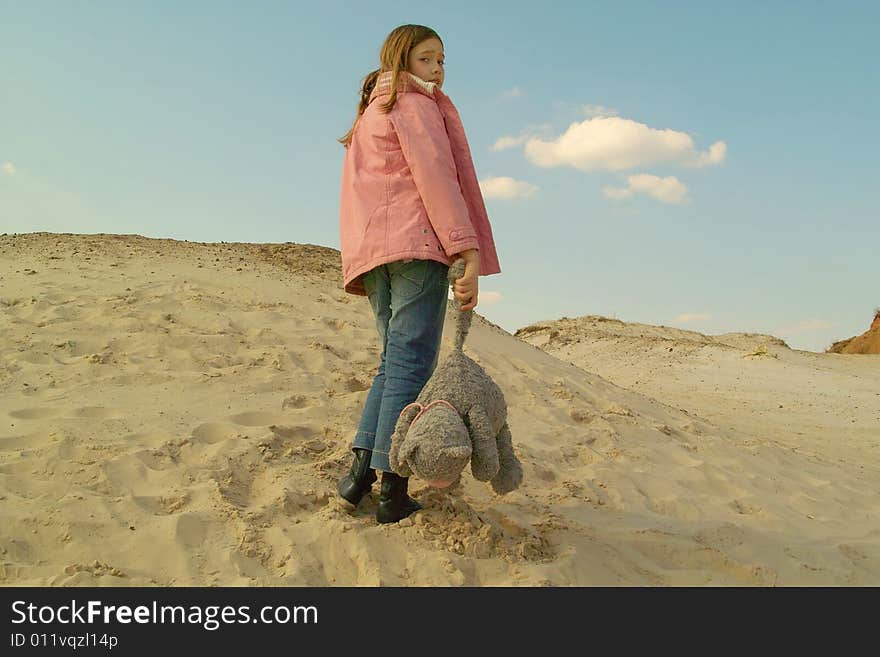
408,278
369,281
442,275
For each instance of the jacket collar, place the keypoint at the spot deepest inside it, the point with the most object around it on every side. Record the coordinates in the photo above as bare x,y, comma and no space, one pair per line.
407,82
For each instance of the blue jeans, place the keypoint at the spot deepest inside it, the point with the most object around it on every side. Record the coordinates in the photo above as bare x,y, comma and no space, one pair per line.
409,303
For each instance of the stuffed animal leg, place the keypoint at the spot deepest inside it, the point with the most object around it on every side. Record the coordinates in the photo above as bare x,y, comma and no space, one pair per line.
484,460
510,473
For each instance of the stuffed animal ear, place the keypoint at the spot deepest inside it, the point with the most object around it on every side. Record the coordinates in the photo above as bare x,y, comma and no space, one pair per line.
404,458
398,456
400,462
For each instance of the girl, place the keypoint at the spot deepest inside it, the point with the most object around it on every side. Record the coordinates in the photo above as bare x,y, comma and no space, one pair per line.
410,205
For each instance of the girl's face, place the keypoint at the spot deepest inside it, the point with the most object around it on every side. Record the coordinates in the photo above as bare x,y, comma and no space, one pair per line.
426,61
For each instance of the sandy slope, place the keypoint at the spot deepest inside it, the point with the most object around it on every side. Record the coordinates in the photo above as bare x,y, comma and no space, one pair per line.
175,413
749,382
866,343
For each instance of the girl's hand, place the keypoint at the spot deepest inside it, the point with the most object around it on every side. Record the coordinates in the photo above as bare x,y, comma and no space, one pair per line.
466,288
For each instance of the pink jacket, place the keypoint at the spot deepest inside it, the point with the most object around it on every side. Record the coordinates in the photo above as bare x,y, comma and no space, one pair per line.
409,188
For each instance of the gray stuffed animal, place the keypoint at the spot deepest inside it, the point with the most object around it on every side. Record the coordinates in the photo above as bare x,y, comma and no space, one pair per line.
459,415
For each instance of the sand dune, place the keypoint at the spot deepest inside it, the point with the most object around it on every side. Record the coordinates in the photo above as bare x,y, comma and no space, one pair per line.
176,413
749,382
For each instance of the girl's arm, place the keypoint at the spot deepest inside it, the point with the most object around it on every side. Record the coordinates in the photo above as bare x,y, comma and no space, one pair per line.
425,144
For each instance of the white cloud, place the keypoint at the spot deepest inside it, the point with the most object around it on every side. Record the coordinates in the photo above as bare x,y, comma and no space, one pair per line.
615,144
665,190
530,132
715,155
503,143
506,188
599,110
516,92
691,317
8,168
805,326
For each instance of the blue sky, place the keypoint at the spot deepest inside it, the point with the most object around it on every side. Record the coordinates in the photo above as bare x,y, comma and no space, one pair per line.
711,166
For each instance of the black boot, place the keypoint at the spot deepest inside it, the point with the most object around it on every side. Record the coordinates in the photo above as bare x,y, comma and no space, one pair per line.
394,503
360,478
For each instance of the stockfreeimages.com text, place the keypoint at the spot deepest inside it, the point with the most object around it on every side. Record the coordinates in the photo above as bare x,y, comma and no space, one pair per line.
210,617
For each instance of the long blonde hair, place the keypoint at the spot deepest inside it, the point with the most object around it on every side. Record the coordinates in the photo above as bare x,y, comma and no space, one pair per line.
394,57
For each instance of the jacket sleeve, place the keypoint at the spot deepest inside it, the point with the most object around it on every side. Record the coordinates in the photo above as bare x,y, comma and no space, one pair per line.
422,133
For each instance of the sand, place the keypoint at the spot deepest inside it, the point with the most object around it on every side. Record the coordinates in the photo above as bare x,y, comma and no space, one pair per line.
176,413
866,343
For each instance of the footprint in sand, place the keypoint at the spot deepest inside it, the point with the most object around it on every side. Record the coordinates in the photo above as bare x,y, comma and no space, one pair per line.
725,535
617,409
246,482
293,432
163,456
304,441
257,418
95,413
297,503
96,568
215,432
544,474
744,508
581,415
296,443
346,382
34,413
129,473
191,530
674,507
296,401
341,354
161,505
